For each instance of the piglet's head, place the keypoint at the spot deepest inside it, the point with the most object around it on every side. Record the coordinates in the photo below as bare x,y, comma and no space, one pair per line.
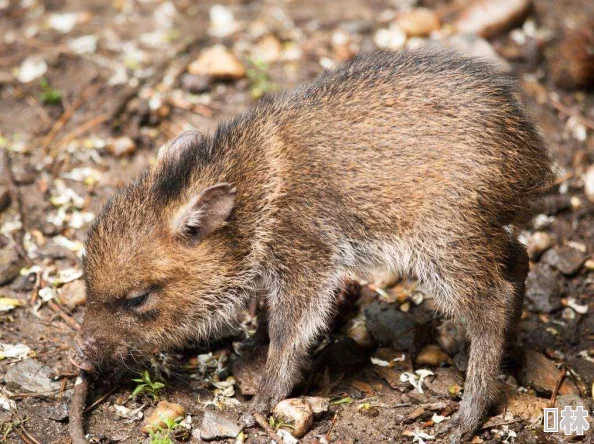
159,261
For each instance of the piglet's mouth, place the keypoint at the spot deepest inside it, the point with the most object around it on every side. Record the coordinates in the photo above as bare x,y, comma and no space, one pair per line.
78,358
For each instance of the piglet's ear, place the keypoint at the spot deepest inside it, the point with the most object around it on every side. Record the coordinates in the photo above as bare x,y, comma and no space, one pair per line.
205,212
172,149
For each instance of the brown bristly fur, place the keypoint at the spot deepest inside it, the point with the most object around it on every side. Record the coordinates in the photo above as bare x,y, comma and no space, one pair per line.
417,161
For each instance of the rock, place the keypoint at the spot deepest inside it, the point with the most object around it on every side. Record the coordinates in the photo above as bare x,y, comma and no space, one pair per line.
248,369
10,265
218,63
196,84
527,407
588,184
572,61
585,369
566,259
57,412
419,22
572,400
268,49
73,294
31,376
164,411
24,282
5,199
543,291
445,382
451,336
538,242
393,328
296,412
541,374
318,404
346,355
120,146
474,46
488,18
432,355
216,426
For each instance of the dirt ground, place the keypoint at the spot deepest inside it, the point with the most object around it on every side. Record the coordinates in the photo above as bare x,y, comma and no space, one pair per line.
90,90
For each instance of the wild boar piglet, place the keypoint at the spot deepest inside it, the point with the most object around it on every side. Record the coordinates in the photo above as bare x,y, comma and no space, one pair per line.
421,162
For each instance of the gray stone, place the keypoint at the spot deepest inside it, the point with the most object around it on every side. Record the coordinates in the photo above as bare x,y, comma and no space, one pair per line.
543,291
10,265
31,376
567,260
215,426
391,327
196,84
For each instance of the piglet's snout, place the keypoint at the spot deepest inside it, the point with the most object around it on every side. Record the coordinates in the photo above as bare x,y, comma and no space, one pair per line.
84,346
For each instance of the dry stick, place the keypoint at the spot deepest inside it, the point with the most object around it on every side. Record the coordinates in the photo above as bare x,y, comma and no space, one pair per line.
264,424
557,387
15,195
65,117
72,323
571,112
82,129
100,399
332,426
77,408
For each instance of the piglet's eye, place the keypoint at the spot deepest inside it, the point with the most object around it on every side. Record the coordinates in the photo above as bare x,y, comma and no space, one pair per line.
136,301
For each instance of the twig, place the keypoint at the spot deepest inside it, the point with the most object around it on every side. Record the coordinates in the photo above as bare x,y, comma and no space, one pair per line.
264,424
77,407
65,117
15,195
557,387
100,399
72,323
571,112
332,426
26,436
83,128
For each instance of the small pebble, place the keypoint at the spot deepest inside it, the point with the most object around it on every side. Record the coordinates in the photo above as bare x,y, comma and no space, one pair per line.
296,412
121,146
488,18
219,63
538,242
165,410
432,355
419,22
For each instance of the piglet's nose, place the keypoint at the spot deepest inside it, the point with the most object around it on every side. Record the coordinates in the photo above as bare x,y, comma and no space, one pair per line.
79,355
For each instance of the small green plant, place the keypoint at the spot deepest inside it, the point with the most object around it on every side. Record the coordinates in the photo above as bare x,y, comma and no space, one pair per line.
162,435
146,385
276,424
49,95
260,82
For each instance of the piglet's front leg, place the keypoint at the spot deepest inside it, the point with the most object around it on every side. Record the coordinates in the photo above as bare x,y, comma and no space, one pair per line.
296,315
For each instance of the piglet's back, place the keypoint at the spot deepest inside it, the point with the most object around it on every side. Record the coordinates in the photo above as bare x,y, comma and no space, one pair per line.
422,132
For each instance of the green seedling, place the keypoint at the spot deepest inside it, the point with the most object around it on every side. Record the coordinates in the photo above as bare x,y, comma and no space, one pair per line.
147,386
276,424
163,435
341,401
49,95
260,83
